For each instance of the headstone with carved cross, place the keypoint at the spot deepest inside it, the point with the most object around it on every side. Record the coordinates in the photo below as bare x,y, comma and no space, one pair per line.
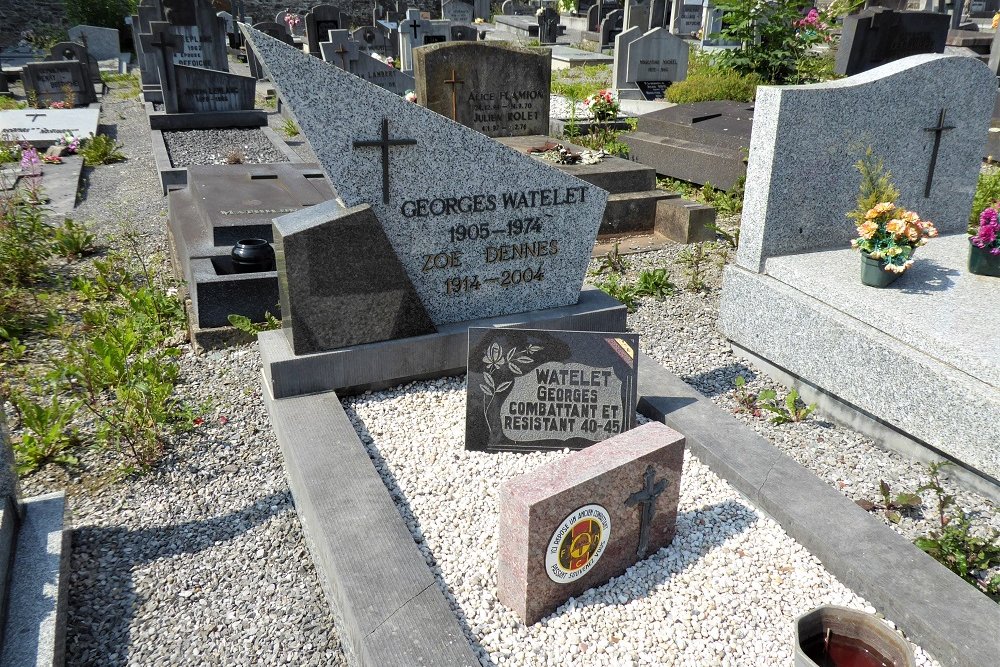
162,45
320,20
44,127
501,90
925,116
340,50
445,198
576,522
412,32
202,34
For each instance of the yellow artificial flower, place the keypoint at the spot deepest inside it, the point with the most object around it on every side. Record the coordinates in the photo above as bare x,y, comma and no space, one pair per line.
996,20
867,229
893,251
895,226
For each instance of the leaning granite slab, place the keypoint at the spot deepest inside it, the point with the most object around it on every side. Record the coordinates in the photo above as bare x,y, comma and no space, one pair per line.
35,631
931,335
393,613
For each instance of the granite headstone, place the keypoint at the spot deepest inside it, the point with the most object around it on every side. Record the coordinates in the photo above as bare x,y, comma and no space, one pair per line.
458,11
320,20
575,523
202,33
500,90
925,116
448,198
102,43
548,25
878,36
654,61
203,90
50,81
637,14
611,26
539,390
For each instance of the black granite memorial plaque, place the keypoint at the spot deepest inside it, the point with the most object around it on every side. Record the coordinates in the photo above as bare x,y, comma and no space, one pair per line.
531,390
878,36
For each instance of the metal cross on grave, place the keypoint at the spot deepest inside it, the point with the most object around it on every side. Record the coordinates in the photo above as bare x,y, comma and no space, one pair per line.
646,497
454,81
384,142
937,130
414,26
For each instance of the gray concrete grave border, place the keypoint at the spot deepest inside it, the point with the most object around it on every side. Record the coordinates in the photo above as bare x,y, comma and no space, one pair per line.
391,612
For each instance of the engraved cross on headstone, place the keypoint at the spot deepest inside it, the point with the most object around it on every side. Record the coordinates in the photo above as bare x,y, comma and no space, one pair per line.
937,130
414,26
384,142
647,498
343,61
34,116
453,82
163,43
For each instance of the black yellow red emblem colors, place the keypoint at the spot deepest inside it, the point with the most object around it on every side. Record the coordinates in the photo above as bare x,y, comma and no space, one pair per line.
577,543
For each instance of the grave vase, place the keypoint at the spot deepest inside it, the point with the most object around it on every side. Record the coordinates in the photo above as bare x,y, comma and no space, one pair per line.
831,635
872,273
252,255
982,262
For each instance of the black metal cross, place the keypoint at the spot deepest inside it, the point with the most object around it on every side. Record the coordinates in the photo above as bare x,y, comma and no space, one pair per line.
414,25
33,116
454,81
937,130
343,61
384,142
647,498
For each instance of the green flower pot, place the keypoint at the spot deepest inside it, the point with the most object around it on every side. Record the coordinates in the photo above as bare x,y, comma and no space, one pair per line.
982,263
873,275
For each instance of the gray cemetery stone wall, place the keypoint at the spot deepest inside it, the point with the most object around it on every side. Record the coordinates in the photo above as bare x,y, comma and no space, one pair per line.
431,182
500,90
202,90
878,36
102,43
654,61
531,390
202,33
801,178
456,10
49,80
548,26
321,20
74,51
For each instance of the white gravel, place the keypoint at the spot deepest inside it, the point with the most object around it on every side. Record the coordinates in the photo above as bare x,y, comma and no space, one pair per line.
725,592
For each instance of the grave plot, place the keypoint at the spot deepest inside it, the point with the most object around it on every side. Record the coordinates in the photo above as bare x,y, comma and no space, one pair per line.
417,284
933,153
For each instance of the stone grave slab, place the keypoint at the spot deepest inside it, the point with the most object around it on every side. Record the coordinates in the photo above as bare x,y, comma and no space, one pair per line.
531,390
565,57
878,36
575,523
203,90
202,35
896,109
445,195
705,142
50,80
43,127
500,90
102,43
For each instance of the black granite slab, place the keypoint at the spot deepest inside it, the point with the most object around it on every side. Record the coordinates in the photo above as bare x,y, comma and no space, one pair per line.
530,389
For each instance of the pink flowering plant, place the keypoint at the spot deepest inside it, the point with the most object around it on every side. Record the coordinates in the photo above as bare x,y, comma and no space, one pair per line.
602,105
292,20
988,235
30,162
891,234
71,143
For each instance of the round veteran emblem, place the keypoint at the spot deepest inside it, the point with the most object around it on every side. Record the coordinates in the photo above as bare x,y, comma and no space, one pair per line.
577,543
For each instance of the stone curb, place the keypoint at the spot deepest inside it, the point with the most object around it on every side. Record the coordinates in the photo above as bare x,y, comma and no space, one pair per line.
385,598
931,605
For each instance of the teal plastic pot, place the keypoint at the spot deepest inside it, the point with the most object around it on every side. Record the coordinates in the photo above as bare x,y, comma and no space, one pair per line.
874,275
982,263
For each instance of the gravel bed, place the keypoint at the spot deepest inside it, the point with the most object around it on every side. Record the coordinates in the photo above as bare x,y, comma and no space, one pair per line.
297,143
681,333
230,146
725,592
202,560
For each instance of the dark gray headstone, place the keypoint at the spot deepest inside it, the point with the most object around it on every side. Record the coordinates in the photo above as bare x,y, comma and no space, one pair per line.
685,19
203,36
654,61
329,300
76,51
500,90
658,14
515,8
50,80
611,27
596,13
458,11
548,26
202,90
875,37
370,39
463,33
637,14
537,390
320,20
293,22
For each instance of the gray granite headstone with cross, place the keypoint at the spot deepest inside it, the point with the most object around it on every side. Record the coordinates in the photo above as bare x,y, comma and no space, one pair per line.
478,229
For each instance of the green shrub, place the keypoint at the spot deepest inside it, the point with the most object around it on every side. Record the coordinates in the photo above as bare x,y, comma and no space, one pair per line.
25,243
987,192
105,13
101,149
712,83
73,240
47,434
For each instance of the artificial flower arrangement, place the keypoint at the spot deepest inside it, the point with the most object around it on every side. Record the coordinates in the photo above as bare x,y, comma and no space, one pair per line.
410,96
891,234
292,20
602,105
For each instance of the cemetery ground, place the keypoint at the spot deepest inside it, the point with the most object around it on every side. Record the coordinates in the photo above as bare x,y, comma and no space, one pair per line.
195,555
